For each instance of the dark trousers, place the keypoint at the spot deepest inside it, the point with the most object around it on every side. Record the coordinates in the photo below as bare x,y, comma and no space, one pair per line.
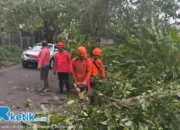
44,72
92,84
63,79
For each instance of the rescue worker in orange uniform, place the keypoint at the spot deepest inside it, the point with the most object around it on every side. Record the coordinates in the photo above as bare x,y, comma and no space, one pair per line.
97,65
81,68
62,66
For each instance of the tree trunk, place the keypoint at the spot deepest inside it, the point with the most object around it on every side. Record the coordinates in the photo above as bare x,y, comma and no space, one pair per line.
132,102
99,20
39,36
49,31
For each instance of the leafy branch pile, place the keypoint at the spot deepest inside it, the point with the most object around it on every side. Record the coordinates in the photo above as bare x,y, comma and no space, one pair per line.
142,91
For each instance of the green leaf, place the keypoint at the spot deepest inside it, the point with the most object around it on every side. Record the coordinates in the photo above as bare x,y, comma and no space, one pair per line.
125,129
44,109
124,120
104,122
34,127
143,126
129,123
70,102
70,127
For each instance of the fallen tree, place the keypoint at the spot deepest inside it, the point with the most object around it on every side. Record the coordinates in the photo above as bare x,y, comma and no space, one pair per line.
132,102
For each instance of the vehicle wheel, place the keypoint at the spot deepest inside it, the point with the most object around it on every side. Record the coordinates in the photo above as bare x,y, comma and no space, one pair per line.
51,64
24,65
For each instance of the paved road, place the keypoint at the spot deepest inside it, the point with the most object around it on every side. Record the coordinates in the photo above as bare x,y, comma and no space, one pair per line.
17,85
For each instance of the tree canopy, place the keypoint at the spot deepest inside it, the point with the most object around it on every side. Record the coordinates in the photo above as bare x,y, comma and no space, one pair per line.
96,18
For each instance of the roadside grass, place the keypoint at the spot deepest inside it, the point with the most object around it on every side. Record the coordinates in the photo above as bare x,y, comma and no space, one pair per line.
9,55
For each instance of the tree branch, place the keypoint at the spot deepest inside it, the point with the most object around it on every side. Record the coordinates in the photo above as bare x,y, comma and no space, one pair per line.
133,102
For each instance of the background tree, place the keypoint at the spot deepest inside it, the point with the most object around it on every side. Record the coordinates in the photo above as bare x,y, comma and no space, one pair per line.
95,18
46,15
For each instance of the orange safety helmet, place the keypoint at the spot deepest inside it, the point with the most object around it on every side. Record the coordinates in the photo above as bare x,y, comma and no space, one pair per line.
81,51
97,51
60,45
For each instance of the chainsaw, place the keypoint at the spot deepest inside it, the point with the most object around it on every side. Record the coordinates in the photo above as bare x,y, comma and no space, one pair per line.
81,89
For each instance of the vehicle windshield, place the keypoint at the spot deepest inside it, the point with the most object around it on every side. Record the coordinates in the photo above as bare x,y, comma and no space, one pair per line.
38,47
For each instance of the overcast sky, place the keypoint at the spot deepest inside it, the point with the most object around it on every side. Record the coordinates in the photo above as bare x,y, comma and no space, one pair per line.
173,20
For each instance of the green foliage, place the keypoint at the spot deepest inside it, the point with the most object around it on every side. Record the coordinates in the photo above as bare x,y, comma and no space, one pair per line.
142,90
97,18
28,104
10,54
148,66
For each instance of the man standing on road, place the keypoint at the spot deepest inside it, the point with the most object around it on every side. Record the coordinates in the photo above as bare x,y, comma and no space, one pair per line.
62,64
81,69
43,64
